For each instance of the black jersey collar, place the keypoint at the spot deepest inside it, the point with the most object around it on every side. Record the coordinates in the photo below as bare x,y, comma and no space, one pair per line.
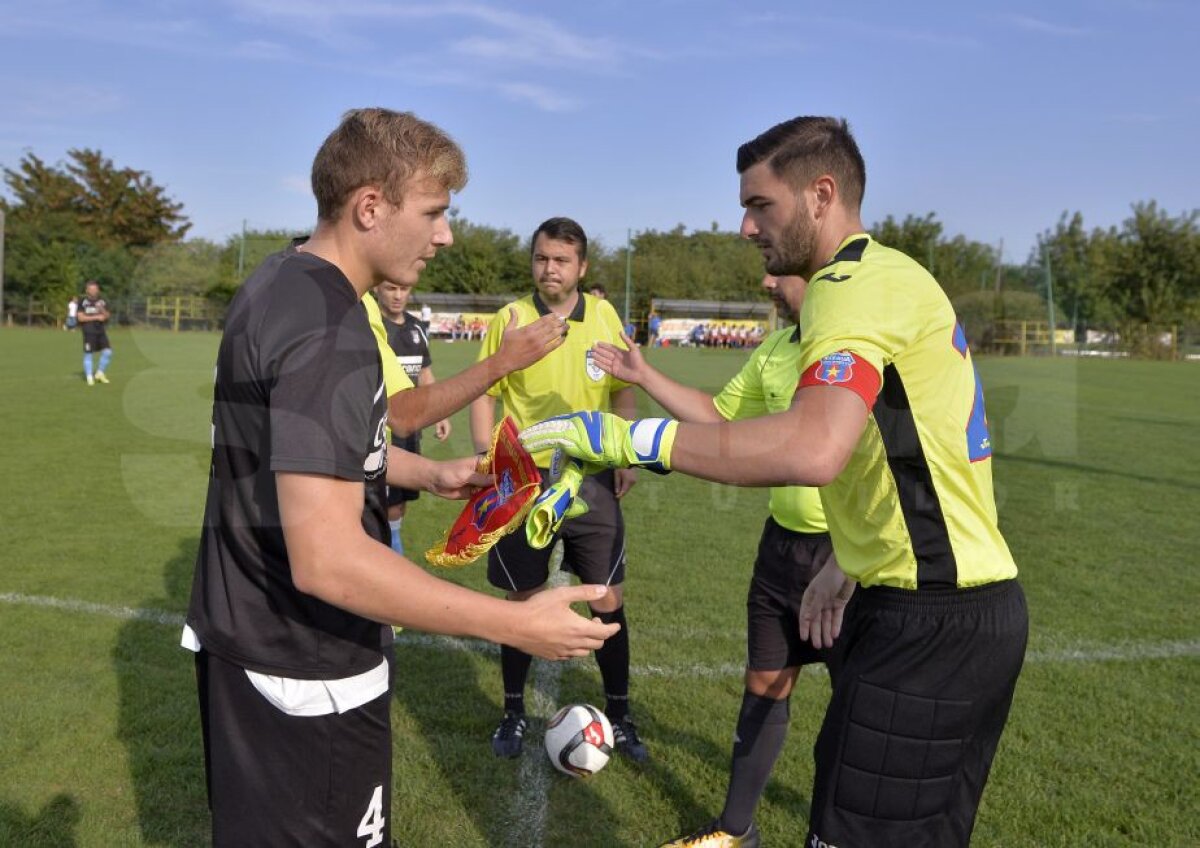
576,314
851,251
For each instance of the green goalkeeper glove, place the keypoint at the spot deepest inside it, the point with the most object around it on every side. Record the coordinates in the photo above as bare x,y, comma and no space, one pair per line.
558,502
602,438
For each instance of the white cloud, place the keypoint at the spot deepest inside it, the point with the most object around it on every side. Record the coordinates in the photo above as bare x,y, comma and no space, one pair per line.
297,184
1033,24
543,98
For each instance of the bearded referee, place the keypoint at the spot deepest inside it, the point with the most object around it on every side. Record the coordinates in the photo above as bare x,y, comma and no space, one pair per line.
888,418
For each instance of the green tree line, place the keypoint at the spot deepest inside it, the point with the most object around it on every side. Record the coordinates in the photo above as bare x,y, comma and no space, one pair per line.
87,218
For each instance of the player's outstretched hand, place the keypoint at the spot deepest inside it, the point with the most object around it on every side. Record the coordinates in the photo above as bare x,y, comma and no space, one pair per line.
550,629
441,430
607,440
522,346
456,479
625,363
824,604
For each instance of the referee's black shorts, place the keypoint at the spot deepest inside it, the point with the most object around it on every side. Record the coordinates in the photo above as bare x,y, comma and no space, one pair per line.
282,780
926,684
593,544
787,561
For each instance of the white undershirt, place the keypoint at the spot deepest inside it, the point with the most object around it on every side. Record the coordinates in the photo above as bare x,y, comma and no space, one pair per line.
310,697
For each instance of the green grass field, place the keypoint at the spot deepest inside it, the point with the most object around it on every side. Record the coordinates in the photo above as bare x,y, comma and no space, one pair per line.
1098,480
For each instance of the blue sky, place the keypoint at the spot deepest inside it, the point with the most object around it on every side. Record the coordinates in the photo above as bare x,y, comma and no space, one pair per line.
623,114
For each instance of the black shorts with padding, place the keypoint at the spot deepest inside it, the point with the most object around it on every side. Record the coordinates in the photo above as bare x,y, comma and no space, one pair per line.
926,683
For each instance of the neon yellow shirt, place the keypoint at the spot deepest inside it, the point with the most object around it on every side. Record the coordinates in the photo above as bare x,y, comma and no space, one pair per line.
766,384
914,506
566,379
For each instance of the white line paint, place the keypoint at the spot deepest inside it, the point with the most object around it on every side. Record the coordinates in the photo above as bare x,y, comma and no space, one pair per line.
528,823
1083,652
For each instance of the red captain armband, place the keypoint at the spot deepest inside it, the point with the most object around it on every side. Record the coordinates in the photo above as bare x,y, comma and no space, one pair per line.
847,370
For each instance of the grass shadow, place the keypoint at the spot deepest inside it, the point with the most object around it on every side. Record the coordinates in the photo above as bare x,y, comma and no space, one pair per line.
158,717
53,826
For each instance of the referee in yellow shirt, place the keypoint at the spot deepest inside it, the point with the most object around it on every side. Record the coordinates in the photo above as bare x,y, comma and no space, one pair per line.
594,544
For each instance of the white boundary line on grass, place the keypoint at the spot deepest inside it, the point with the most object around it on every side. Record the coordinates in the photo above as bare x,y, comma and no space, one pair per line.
1084,652
528,823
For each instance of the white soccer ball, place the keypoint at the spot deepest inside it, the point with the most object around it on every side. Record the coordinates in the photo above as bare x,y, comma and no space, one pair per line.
579,740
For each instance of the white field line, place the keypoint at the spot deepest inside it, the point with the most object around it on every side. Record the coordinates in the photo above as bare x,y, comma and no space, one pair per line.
1083,652
528,823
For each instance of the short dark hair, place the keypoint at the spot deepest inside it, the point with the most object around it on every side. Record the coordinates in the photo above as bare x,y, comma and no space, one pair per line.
804,148
596,287
561,229
385,148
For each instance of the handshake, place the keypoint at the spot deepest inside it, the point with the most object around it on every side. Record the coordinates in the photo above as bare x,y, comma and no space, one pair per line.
592,441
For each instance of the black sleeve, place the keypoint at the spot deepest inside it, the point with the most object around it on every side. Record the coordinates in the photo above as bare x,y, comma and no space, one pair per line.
321,382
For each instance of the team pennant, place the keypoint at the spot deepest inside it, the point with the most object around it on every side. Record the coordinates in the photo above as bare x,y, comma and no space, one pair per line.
496,511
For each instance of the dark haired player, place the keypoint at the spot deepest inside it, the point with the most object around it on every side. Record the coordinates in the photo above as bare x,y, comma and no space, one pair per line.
889,420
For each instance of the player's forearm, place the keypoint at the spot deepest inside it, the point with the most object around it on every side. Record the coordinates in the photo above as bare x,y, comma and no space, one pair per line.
408,470
800,447
682,402
367,578
483,420
423,406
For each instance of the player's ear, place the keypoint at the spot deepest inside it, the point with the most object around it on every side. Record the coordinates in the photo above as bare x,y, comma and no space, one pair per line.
824,191
582,268
366,203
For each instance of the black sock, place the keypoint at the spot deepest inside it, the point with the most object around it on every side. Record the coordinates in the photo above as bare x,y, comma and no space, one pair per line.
514,669
761,730
613,659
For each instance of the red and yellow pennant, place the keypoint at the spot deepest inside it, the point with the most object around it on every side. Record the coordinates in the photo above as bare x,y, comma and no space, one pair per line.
496,511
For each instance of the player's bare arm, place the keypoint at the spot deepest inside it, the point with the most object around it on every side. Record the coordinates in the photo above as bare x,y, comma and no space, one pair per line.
442,429
423,406
332,558
624,403
682,402
454,479
483,419
808,445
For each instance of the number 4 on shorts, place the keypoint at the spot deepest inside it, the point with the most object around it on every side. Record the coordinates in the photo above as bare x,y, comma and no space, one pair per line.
373,821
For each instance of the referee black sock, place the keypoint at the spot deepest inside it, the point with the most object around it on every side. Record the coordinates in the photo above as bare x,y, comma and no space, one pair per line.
613,659
514,669
761,731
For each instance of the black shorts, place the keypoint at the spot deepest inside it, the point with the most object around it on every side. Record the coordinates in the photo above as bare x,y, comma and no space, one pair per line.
95,340
277,779
397,495
593,544
785,564
907,742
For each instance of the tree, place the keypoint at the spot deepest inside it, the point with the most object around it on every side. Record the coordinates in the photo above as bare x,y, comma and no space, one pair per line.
85,219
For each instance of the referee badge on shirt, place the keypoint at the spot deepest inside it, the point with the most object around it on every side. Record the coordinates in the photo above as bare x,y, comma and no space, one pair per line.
593,370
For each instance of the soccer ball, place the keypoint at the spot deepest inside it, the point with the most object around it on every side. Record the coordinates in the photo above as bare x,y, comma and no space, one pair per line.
579,740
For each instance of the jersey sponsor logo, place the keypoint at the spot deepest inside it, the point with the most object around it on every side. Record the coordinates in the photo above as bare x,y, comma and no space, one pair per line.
833,278
376,461
411,366
593,370
836,368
